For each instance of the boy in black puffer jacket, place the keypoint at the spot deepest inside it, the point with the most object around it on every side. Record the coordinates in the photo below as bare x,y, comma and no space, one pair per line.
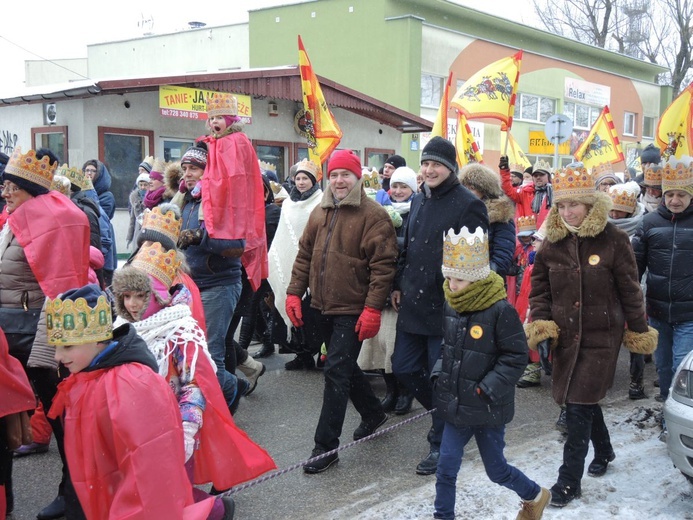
484,355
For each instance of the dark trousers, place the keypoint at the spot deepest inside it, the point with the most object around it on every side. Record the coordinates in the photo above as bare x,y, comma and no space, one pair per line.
344,380
637,367
585,424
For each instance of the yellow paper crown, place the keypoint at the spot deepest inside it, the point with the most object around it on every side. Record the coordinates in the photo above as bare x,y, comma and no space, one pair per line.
677,177
76,175
310,167
371,179
29,167
466,255
572,183
222,104
155,261
653,176
517,167
166,223
541,165
276,187
601,170
624,200
526,224
267,166
73,322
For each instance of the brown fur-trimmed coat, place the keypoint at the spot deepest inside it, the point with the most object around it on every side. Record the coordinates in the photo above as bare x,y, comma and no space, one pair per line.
585,287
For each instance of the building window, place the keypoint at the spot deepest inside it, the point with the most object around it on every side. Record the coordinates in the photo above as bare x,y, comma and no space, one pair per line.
536,108
122,151
582,116
648,126
629,123
175,148
52,137
431,90
276,154
376,157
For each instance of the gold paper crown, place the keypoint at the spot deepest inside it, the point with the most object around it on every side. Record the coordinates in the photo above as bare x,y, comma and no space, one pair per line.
653,176
28,167
62,184
155,261
572,183
371,180
601,170
276,187
677,177
71,322
158,165
525,224
267,166
517,167
623,199
76,175
222,104
165,223
466,255
310,167
541,165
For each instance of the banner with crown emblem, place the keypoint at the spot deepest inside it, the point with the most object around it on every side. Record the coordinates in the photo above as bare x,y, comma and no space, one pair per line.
491,92
602,144
323,131
467,149
440,126
674,128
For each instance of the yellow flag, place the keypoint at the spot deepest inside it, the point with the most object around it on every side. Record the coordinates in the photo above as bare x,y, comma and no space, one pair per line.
601,145
467,149
440,127
323,132
515,154
491,92
674,128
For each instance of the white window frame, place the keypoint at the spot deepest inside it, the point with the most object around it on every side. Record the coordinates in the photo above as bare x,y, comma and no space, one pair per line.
630,120
594,114
441,83
653,128
540,99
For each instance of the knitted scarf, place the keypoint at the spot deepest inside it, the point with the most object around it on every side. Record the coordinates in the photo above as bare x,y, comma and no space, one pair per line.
539,194
154,197
477,296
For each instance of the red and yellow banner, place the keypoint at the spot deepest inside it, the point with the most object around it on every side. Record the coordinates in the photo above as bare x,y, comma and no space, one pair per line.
602,144
467,149
440,127
190,103
491,92
674,129
322,130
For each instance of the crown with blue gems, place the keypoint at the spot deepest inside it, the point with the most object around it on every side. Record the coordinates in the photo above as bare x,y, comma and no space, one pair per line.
466,254
29,167
74,322
222,104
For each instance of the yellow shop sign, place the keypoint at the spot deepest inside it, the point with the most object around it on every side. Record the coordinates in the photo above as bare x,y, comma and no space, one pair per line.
540,145
190,103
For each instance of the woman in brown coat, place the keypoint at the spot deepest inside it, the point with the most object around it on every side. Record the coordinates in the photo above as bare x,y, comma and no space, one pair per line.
585,288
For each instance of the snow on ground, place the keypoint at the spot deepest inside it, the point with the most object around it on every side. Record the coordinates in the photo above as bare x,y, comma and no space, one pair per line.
641,483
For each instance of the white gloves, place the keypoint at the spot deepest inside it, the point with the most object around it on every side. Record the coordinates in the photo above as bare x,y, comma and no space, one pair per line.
189,431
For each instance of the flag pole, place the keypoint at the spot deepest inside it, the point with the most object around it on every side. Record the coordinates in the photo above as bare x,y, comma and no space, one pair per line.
507,141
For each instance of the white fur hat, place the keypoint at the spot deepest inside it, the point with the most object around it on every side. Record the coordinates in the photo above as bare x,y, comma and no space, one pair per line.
405,175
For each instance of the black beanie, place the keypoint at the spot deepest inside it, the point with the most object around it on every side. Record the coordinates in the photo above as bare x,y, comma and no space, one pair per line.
3,161
396,160
90,293
442,151
31,188
519,175
650,155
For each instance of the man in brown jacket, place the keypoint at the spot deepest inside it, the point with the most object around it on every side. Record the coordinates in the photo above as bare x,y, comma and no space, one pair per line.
347,256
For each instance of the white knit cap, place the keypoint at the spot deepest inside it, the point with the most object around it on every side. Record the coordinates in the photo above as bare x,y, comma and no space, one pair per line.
142,177
405,175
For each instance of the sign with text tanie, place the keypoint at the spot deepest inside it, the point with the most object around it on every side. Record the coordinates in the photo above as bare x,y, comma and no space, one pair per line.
191,103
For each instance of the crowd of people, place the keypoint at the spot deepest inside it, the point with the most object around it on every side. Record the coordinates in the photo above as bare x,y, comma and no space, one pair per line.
455,285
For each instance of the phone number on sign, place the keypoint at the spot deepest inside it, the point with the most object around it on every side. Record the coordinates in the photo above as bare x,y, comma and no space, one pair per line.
185,114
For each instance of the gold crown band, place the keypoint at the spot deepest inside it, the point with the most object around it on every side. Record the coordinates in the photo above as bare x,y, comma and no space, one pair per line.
71,322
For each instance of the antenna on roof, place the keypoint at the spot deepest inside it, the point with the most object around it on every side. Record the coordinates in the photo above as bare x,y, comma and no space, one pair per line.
146,24
196,25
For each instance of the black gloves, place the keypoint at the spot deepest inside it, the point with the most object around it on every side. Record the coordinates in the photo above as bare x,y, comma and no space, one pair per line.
503,163
544,350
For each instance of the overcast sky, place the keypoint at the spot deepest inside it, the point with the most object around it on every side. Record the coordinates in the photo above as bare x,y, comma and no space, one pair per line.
52,30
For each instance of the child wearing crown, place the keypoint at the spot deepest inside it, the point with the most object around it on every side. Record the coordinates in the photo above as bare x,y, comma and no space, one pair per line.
215,449
118,451
484,353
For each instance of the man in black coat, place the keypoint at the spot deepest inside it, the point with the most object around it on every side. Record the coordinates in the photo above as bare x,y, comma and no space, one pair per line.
418,295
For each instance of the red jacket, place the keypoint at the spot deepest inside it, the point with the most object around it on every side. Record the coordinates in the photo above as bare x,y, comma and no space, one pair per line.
523,198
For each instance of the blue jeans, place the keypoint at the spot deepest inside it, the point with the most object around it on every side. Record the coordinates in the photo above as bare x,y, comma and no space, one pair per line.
675,342
491,442
219,303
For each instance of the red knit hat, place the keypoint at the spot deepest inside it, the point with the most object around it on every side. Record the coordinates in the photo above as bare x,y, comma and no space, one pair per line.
347,160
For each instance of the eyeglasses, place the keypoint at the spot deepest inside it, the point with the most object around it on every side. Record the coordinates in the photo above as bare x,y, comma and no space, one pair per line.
9,189
90,170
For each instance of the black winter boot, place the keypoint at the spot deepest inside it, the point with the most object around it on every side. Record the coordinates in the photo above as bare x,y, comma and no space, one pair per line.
391,393
245,335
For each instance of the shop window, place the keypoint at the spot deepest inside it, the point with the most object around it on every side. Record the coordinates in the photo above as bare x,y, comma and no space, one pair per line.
122,151
55,139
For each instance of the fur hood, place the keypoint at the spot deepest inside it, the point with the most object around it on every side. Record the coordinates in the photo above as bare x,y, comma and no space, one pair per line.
500,210
482,179
594,222
173,173
129,279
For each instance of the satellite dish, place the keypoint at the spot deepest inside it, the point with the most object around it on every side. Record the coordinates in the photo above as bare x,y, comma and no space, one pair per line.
558,128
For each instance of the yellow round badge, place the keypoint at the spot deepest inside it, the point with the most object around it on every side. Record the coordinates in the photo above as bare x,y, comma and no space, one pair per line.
476,332
594,259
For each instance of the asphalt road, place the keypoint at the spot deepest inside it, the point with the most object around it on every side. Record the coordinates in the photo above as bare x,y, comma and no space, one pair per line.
281,415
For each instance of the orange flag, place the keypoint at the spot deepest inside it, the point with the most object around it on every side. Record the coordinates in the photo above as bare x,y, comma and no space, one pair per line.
440,127
467,149
323,131
674,128
601,145
491,92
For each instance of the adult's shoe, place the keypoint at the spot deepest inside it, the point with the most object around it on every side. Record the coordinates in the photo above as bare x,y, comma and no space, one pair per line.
636,391
320,465
30,449
534,509
55,509
266,351
404,403
598,466
301,362
252,369
562,422
389,401
229,507
428,465
562,494
368,426
660,398
531,376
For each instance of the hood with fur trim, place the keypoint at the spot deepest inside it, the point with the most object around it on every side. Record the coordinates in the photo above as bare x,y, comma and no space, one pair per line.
173,173
594,222
482,179
500,210
129,279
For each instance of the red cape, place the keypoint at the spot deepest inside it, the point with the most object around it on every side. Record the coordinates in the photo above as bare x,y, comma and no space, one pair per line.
54,233
17,395
233,200
196,308
125,461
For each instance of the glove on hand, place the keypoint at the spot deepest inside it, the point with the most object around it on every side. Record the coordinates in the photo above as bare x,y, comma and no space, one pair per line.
544,349
293,310
503,164
368,324
190,429
189,237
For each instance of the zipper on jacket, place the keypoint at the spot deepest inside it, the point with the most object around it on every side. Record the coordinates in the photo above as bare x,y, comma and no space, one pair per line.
671,266
577,256
324,254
